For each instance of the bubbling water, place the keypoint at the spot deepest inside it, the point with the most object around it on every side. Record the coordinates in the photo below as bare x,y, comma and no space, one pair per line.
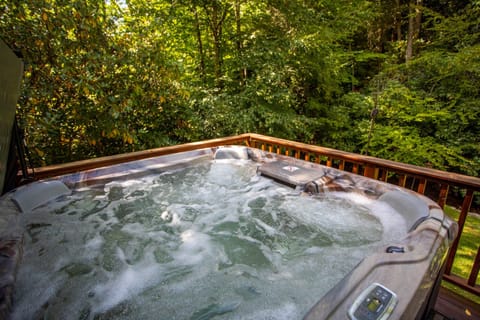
212,240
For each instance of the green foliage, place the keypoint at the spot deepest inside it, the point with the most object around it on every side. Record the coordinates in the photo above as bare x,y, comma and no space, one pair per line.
347,122
455,31
417,127
429,107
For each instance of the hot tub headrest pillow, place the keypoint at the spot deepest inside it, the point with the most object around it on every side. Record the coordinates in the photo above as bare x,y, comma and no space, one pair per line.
412,208
37,193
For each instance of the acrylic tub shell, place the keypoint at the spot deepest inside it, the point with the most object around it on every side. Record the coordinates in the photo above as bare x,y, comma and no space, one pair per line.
412,274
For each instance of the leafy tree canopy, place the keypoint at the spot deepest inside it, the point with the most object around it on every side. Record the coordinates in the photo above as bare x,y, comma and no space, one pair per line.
105,77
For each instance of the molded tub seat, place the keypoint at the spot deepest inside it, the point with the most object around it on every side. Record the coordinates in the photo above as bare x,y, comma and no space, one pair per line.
409,267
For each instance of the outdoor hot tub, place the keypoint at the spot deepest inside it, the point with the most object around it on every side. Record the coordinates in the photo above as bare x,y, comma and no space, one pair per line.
224,232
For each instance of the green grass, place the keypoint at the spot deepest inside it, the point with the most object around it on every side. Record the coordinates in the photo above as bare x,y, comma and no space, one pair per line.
467,250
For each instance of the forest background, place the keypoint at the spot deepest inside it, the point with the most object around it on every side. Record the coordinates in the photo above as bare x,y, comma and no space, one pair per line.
395,79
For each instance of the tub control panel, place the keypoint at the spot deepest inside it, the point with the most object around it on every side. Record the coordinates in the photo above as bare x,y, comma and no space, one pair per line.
374,303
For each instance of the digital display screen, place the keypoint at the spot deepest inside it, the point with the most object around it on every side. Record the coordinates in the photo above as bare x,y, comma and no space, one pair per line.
374,305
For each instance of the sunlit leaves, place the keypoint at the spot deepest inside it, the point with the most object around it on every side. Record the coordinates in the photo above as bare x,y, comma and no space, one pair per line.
90,93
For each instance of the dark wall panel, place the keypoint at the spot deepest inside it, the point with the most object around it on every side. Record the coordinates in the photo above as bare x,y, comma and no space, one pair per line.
11,70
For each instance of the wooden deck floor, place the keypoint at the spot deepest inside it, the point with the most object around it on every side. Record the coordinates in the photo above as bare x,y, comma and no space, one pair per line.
450,306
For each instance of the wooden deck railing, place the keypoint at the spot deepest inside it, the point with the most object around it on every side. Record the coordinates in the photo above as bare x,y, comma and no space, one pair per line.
434,183
405,175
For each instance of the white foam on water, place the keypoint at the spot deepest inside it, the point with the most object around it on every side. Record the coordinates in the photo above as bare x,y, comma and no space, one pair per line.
195,248
125,285
94,244
139,231
286,311
266,228
33,296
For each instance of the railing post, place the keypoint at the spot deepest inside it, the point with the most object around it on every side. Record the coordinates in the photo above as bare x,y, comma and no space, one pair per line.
467,202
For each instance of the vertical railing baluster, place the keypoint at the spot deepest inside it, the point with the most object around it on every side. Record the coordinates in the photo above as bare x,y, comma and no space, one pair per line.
402,180
422,185
442,197
472,279
467,202
329,162
355,168
370,171
384,175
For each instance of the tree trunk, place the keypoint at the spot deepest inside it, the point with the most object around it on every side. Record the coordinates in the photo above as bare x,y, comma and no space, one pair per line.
243,71
238,25
398,20
418,18
200,46
216,16
216,29
414,24
411,22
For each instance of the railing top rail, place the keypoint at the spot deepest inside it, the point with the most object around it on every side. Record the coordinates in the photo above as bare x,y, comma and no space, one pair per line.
76,166
428,173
